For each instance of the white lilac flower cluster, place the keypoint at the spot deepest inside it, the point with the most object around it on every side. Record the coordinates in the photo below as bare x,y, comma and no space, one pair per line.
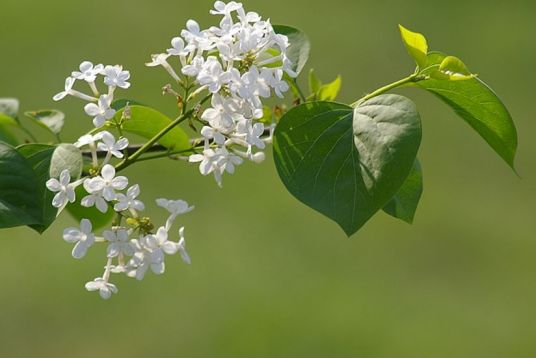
100,104
240,63
133,244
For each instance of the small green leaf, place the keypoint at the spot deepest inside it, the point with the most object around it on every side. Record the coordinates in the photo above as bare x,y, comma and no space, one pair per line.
20,199
66,156
404,204
479,106
39,156
79,212
416,45
6,135
9,107
147,122
50,119
330,91
347,163
122,103
314,83
452,69
298,51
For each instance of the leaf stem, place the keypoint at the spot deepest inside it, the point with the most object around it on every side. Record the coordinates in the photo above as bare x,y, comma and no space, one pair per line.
387,88
130,160
302,96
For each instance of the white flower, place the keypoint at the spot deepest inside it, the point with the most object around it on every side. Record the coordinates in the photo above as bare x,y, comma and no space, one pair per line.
63,189
224,9
101,111
213,75
208,161
105,288
109,144
69,83
126,202
193,69
223,114
178,48
227,160
83,238
88,139
94,198
182,247
175,207
195,37
116,77
278,83
161,60
251,133
106,183
87,72
119,243
211,133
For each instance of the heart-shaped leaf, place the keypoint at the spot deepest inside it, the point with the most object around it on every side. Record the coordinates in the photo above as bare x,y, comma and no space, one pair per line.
298,51
404,204
20,200
347,163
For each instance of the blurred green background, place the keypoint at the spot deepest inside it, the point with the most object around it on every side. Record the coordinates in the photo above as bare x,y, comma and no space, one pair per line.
270,277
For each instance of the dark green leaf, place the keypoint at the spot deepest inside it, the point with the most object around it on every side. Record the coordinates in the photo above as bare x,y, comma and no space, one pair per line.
479,106
39,156
298,51
147,122
20,199
346,163
404,204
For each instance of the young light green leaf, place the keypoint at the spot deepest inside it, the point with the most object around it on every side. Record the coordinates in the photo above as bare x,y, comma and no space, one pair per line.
79,212
20,199
404,204
66,156
347,163
40,156
416,45
9,107
298,51
479,106
452,69
147,122
330,91
50,119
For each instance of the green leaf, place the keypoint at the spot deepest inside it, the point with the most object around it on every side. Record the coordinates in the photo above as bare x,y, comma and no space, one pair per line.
79,212
345,163
50,119
39,156
9,107
314,82
479,106
330,91
147,122
5,134
416,45
404,204
20,200
66,156
122,103
298,51
452,69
